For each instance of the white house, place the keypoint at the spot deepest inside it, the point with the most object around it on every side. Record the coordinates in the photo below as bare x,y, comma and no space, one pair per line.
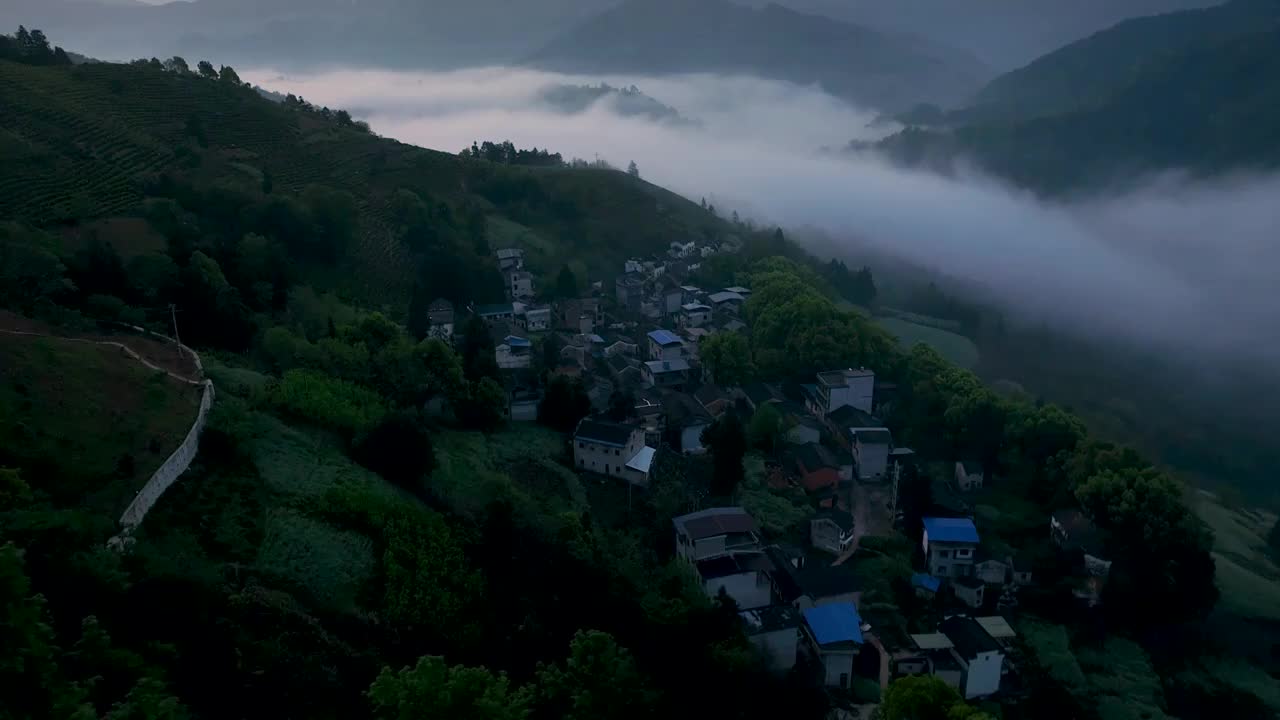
726,301
969,590
838,388
949,546
519,284
496,313
665,345
775,631
871,446
834,637
538,318
694,315
510,259
832,531
714,532
743,576
665,373
969,475
514,353
980,656
612,449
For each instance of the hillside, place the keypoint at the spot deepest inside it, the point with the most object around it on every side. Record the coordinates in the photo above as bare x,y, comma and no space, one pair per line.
86,143
854,62
1203,109
1087,73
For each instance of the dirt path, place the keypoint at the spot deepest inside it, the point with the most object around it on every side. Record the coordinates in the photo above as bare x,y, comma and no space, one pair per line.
884,660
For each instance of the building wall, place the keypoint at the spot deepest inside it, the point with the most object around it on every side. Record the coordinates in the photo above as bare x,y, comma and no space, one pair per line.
991,571
839,667
701,549
524,411
970,596
508,360
606,459
670,352
952,678
873,461
982,676
749,589
696,319
538,320
779,648
691,439
825,535
944,563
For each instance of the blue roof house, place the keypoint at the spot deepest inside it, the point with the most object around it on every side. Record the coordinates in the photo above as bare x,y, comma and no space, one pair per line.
665,345
834,636
949,545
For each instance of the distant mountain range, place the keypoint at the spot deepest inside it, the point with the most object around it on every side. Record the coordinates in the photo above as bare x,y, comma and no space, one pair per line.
1195,90
870,67
626,101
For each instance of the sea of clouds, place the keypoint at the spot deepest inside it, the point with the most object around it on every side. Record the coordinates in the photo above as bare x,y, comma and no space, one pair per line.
1180,265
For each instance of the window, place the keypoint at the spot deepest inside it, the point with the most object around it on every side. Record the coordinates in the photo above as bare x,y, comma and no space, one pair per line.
581,445
844,680
617,452
944,554
581,462
964,553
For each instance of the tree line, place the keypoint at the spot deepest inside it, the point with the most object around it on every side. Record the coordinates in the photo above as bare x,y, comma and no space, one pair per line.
31,47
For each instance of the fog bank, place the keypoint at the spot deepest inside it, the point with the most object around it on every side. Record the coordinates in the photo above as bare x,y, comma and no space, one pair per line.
1180,265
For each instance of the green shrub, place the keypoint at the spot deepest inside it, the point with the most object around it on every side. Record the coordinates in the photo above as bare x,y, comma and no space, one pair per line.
866,690
328,402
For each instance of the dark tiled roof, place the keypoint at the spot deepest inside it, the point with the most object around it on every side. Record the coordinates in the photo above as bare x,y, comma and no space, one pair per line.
759,393
709,393
604,432
735,564
872,436
968,636
715,521
784,575
682,409
848,416
814,457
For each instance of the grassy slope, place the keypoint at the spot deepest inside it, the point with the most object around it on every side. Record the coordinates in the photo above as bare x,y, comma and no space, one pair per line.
956,348
69,413
78,142
1248,577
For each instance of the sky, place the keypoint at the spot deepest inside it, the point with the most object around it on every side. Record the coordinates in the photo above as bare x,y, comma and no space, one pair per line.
1176,265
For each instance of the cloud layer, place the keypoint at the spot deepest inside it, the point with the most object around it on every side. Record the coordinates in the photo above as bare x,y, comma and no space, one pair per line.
1183,266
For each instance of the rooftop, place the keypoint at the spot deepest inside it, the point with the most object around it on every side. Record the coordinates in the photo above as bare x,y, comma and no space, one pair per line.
926,581
770,619
501,309
997,627
516,341
709,393
834,623
605,433
715,521
683,410
657,367
665,338
814,457
759,393
849,416
968,636
738,289
735,564
871,436
839,378
954,530
725,296
642,460
507,253
932,641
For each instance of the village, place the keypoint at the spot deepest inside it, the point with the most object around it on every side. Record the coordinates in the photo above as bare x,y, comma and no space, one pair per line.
634,347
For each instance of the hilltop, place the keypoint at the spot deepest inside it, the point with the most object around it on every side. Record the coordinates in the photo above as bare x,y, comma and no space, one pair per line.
854,62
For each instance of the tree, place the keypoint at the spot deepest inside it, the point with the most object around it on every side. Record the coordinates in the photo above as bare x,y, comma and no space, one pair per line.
566,283
728,443
633,170
206,70
621,405
478,359
483,406
177,64
599,679
430,589
564,404
728,358
228,75
14,491
398,448
923,697
766,428
435,689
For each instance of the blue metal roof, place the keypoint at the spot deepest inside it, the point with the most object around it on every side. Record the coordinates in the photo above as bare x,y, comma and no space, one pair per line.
664,337
516,341
928,582
958,530
834,623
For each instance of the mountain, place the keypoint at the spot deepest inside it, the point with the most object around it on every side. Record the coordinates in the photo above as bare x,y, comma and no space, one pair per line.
1191,91
626,101
1087,72
1004,33
858,63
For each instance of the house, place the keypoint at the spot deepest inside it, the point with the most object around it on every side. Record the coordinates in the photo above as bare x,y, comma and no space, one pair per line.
612,449
671,296
744,292
775,631
990,570
1020,568
629,290
805,429
648,412
665,345
949,545
440,317
714,532
714,400
686,416
522,405
815,467
694,315
519,284
537,318
579,316
999,629
514,353
665,373
832,531
496,313
871,446
733,326
619,345
625,371
926,585
510,259
839,421
691,293
834,637
969,590
807,585
743,576
981,657
838,388
726,301
758,393
969,475
634,265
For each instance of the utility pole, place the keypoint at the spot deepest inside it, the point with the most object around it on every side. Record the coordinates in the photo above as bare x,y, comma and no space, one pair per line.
173,313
